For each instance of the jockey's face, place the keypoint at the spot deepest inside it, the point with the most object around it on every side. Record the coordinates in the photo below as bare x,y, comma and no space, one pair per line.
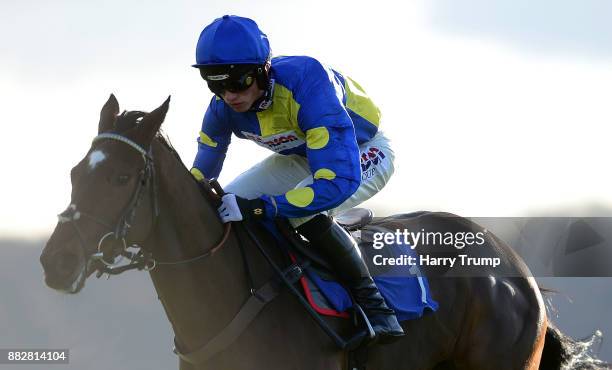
243,100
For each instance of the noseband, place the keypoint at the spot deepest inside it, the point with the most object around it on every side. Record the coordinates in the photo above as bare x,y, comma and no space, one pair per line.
140,259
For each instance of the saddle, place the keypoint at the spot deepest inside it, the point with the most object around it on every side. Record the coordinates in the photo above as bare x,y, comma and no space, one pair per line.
405,290
354,218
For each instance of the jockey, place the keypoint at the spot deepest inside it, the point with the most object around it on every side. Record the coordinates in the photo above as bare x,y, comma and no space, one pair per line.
330,155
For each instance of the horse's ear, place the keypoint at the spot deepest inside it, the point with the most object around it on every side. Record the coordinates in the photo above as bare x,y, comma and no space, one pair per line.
108,115
150,124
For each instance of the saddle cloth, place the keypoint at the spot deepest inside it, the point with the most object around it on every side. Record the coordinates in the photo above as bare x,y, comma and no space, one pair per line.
405,290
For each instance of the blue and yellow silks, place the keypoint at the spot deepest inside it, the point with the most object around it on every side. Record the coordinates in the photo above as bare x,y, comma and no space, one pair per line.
317,113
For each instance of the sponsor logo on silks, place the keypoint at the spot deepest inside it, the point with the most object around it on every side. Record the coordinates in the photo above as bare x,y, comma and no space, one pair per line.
372,157
278,143
369,161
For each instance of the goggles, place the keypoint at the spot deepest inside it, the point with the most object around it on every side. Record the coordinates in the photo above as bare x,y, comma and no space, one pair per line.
233,78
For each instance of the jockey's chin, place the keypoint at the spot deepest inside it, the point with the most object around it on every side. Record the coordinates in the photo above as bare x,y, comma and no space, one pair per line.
242,101
239,107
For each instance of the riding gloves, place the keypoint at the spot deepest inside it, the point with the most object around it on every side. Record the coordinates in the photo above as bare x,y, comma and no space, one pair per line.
235,208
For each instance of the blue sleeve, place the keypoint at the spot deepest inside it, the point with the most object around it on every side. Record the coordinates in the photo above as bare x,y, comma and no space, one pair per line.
213,141
331,147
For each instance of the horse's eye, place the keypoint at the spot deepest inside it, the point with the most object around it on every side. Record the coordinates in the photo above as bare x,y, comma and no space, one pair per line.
121,179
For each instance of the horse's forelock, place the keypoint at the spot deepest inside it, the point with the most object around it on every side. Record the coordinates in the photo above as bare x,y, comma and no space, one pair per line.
128,120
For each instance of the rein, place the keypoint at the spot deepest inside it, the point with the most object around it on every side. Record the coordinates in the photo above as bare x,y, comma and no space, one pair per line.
141,259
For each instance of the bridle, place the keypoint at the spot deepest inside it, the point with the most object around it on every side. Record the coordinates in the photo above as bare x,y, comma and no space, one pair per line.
143,260
140,259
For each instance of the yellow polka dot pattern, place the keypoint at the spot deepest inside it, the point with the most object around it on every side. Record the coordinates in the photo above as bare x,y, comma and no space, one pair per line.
325,173
317,138
300,197
197,174
205,139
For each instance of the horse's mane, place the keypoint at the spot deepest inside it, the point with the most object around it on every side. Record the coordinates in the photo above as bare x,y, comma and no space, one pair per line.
130,119
164,140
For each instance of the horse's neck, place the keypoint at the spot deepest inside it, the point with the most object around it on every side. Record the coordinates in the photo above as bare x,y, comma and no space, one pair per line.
201,297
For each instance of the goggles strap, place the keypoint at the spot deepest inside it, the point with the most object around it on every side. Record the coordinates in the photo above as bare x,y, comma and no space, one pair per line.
265,101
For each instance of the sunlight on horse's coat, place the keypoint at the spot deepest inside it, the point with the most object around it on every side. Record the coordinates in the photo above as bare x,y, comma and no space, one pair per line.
95,158
510,287
492,280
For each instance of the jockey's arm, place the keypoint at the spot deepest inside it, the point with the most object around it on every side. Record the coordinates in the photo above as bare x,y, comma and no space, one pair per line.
213,141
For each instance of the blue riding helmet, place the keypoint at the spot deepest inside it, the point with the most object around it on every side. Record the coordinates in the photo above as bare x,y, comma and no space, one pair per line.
232,40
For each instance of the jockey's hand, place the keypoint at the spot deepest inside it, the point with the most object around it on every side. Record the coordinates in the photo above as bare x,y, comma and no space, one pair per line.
234,208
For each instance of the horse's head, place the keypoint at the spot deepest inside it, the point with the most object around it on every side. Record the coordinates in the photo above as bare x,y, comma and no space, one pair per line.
113,201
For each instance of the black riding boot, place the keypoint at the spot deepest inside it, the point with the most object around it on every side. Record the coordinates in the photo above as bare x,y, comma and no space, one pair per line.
340,250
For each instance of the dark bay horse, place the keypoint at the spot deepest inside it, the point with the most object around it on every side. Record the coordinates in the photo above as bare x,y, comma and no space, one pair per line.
132,188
